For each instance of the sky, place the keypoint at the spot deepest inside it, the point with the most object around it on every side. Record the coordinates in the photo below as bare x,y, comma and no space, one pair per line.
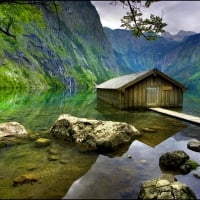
179,15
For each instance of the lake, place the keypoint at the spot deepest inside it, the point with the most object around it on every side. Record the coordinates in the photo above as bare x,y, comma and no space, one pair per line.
81,174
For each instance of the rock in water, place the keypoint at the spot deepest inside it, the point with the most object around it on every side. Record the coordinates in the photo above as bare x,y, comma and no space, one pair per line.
42,142
177,161
95,134
11,128
194,145
24,179
173,160
165,187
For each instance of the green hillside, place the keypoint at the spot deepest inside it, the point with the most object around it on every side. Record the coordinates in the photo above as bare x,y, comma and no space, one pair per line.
55,49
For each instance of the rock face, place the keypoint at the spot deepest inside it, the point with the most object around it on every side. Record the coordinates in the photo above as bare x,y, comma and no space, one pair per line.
194,145
94,134
11,128
165,187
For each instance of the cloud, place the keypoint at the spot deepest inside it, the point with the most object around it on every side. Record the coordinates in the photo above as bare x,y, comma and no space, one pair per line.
110,13
179,15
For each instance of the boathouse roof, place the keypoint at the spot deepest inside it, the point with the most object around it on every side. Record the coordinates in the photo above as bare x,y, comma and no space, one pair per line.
125,81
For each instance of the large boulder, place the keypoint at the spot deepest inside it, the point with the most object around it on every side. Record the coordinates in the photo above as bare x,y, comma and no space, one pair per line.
173,160
95,134
165,187
11,129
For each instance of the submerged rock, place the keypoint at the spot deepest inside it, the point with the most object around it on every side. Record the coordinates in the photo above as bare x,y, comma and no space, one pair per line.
53,151
53,157
165,187
95,134
42,142
149,130
11,128
27,178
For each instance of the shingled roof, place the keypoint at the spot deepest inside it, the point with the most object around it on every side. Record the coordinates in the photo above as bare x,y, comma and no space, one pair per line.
125,81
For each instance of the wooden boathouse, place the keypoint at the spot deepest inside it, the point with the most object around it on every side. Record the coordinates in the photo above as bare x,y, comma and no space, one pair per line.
142,90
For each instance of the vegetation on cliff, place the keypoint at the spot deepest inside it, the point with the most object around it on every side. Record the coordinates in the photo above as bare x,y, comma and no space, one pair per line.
66,46
44,50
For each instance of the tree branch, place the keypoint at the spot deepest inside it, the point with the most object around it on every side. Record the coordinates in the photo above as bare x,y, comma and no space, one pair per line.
135,21
148,28
44,3
7,31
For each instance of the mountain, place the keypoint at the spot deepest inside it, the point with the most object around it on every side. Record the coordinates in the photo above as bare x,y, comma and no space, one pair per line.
176,55
179,36
137,54
183,62
71,49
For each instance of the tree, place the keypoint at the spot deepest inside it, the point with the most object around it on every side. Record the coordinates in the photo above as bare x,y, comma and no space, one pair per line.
148,28
13,13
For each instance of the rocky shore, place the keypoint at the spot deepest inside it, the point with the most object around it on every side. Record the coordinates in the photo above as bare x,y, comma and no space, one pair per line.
106,136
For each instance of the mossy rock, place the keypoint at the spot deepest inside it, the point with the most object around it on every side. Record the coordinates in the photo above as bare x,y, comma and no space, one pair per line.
42,142
193,164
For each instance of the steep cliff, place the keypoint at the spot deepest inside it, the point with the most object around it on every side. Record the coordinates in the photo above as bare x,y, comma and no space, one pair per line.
71,49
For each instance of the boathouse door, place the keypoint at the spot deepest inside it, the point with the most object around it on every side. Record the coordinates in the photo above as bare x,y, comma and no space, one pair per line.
152,96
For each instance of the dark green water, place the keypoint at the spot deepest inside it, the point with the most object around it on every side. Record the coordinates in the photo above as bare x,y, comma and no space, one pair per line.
76,171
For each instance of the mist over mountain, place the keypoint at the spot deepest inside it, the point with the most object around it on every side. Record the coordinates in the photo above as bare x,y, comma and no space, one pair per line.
178,36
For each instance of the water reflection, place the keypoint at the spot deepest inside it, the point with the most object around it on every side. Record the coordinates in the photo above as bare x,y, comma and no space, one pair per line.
161,126
121,177
37,110
110,176
54,177
118,177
